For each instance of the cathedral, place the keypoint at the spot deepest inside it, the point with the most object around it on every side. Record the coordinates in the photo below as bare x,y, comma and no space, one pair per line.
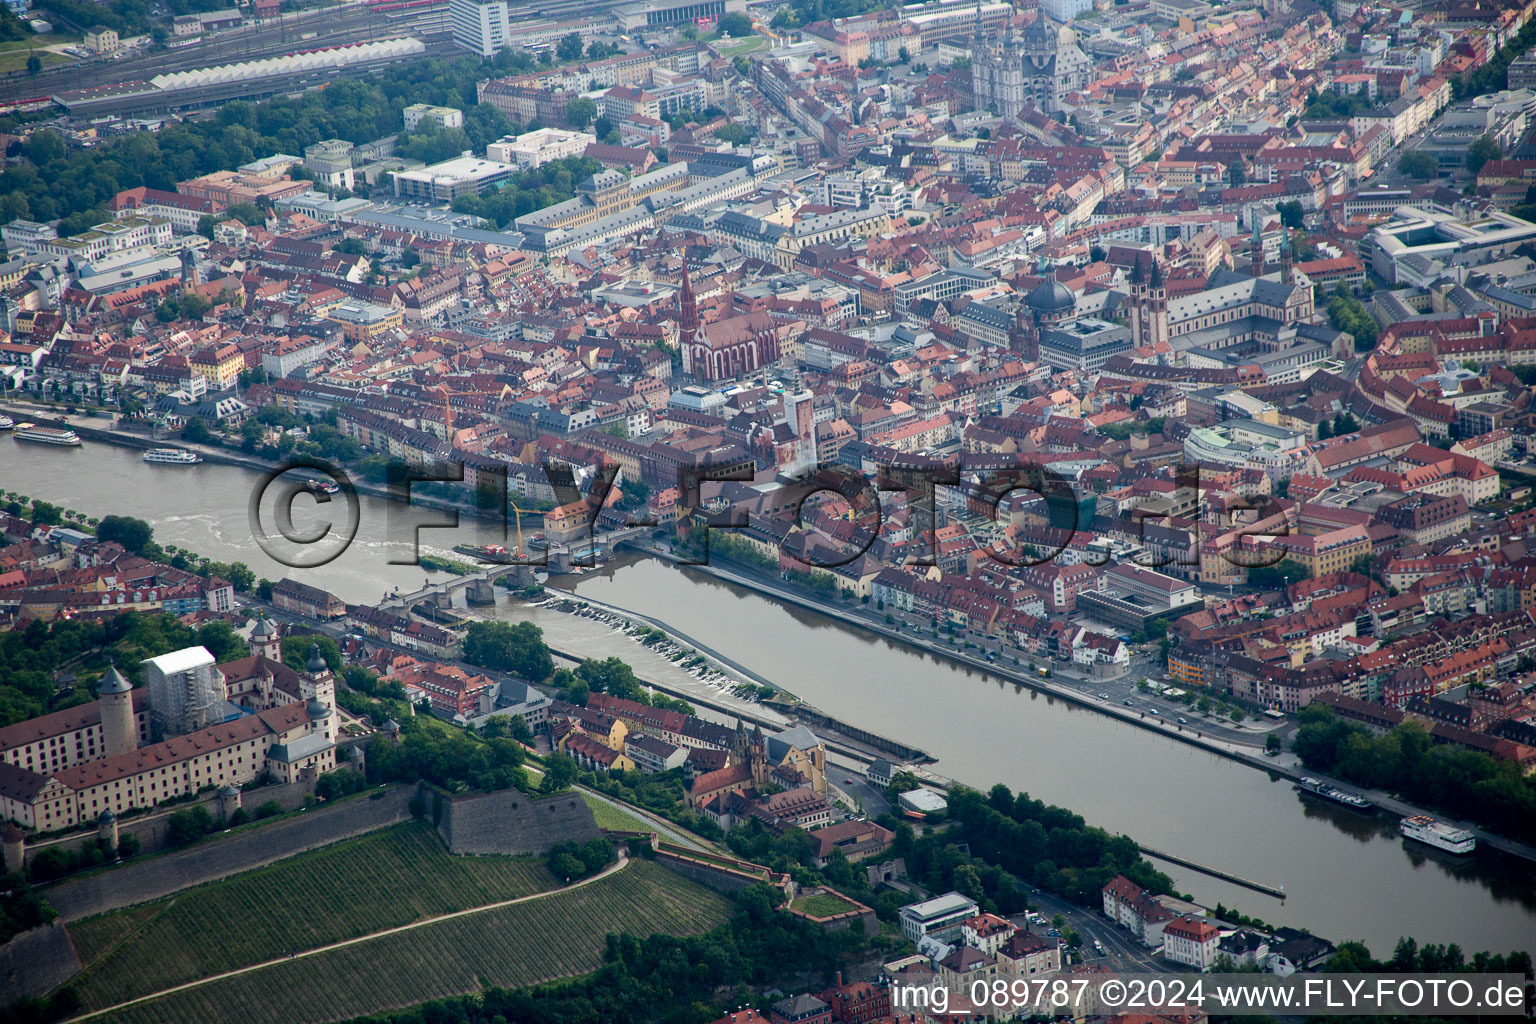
1038,69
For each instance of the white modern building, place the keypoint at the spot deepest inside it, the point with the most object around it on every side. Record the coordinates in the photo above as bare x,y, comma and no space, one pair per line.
480,26
445,182
535,148
1466,238
1065,10
23,236
443,117
1248,444
941,917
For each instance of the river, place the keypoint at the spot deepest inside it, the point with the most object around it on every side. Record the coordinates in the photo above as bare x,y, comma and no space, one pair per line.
1346,875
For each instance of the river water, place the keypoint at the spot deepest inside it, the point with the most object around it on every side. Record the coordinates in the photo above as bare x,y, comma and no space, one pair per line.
1346,875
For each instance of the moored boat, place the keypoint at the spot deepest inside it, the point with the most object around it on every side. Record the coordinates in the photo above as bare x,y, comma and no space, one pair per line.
1317,787
1439,834
46,435
172,457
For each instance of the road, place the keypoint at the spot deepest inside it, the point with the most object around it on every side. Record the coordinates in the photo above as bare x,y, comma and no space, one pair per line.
1121,952
667,830
612,869
848,778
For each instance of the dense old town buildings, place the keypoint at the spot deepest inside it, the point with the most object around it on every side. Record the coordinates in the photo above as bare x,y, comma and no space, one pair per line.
1134,323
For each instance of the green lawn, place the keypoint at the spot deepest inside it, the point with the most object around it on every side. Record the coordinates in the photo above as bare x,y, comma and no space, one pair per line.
38,42
357,887
615,818
821,904
558,936
744,46
16,60
14,52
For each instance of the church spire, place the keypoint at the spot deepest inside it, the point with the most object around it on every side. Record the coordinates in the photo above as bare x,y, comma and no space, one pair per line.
688,322
978,39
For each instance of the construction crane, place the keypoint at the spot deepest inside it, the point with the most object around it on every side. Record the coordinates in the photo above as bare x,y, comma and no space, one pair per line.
445,391
518,513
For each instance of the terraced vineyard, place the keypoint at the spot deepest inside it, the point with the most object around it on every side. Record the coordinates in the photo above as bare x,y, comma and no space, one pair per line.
357,887
553,936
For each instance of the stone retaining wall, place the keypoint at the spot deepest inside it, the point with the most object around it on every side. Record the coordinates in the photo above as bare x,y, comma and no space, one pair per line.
151,829
140,881
510,822
36,962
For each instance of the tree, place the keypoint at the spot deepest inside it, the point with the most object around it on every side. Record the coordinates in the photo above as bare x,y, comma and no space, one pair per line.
1480,152
197,431
193,306
580,113
222,641
1292,215
559,772
519,649
735,25
185,826
1418,165
1272,744
1277,577
34,64
569,47
295,650
520,730
132,534
46,514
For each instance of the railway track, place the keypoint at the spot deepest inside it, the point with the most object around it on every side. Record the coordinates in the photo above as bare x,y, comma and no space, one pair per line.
253,44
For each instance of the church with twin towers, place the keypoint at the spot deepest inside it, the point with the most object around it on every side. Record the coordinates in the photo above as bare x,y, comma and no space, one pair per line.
1038,67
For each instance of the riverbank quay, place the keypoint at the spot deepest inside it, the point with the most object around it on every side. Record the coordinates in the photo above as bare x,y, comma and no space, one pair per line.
860,745
220,455
1285,765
